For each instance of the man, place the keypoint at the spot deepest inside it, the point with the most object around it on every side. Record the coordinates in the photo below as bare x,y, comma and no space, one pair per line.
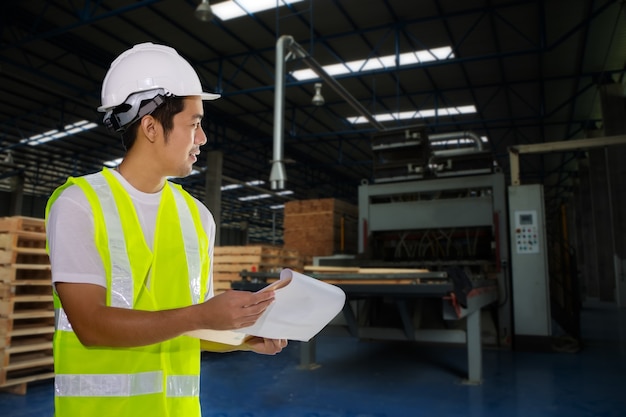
131,255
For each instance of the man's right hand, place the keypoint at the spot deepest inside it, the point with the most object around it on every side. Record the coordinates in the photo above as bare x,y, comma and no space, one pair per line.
233,309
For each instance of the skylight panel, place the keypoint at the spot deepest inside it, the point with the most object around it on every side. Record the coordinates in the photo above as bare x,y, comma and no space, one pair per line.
55,134
254,197
378,63
418,114
253,183
113,163
263,195
236,8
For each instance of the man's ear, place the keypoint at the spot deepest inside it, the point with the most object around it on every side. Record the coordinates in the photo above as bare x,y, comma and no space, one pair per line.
149,127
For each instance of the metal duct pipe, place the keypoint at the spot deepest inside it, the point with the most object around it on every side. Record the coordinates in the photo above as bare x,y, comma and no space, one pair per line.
334,84
277,174
437,137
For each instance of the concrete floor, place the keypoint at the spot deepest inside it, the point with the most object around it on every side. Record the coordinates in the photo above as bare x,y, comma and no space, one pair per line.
398,379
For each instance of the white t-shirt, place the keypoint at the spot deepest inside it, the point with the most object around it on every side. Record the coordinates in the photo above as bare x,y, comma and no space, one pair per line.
73,254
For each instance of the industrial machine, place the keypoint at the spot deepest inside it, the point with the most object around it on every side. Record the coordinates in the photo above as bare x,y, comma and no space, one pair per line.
440,210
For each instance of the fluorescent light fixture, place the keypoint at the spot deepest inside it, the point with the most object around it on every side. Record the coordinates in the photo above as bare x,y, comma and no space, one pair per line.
254,197
261,196
236,8
378,63
55,134
113,162
231,187
277,206
460,141
417,114
253,183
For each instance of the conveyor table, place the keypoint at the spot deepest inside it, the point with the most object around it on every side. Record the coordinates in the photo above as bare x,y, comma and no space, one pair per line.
400,287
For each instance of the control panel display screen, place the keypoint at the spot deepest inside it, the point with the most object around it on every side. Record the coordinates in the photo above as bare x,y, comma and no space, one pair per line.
525,219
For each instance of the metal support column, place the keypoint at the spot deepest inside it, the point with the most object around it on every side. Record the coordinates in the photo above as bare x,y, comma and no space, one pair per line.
17,195
213,189
474,349
307,354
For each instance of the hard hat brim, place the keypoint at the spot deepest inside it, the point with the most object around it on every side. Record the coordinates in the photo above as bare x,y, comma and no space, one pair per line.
210,96
204,96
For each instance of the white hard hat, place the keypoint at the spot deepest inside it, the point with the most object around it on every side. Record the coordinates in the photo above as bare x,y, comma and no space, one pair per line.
146,67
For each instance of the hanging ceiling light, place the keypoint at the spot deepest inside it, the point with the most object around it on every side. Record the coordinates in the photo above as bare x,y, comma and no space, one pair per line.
203,11
318,99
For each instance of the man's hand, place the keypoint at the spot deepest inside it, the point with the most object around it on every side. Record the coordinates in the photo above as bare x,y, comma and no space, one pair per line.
265,346
232,309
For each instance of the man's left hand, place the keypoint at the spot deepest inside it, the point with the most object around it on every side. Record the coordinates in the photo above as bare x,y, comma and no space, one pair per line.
265,346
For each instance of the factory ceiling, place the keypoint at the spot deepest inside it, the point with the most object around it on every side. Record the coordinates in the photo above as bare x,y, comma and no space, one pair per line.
529,71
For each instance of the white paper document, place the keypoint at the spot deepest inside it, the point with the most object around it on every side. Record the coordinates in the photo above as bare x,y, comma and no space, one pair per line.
302,307
227,337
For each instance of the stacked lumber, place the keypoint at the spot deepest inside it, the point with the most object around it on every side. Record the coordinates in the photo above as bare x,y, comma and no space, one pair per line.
229,261
320,227
26,306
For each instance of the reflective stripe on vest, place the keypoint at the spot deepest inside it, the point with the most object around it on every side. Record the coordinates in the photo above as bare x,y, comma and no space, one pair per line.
61,322
121,277
125,385
190,240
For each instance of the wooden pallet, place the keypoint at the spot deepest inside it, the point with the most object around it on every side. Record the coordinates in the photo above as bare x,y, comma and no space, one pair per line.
26,304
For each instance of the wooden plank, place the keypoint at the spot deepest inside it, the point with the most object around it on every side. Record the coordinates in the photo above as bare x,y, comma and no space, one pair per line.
22,240
226,276
16,305
246,250
332,269
236,268
30,361
244,259
31,314
371,281
24,256
33,282
12,275
18,385
21,223
6,240
38,267
360,270
7,257
31,330
31,251
391,270
31,346
221,285
33,298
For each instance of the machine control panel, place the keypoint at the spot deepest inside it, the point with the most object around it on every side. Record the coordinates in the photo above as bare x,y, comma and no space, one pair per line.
526,232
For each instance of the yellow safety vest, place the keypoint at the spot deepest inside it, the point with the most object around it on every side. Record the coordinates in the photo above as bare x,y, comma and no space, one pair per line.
157,380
